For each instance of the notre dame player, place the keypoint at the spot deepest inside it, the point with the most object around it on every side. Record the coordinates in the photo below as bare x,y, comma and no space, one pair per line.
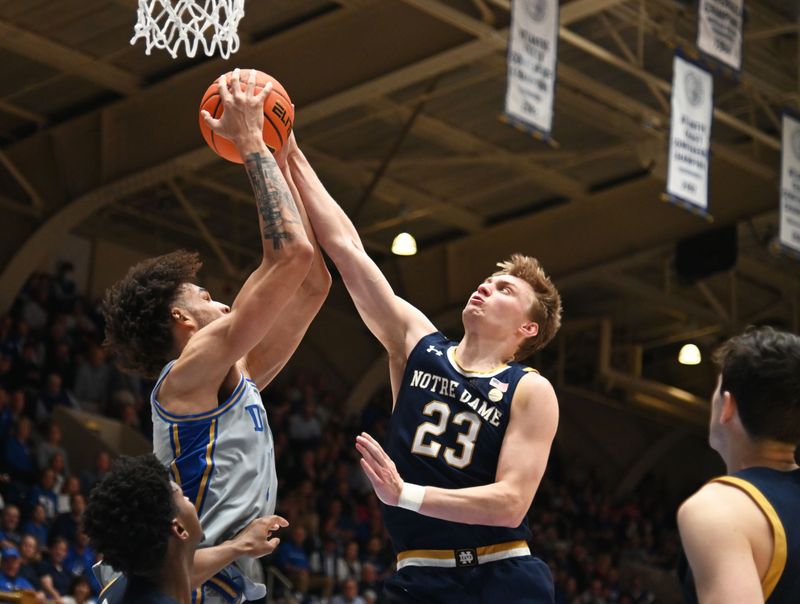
471,427
741,532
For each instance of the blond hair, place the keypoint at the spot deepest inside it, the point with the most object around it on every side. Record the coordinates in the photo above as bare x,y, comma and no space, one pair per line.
546,307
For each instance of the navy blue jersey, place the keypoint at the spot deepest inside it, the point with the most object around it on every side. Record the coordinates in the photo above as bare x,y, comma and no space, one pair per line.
446,431
777,494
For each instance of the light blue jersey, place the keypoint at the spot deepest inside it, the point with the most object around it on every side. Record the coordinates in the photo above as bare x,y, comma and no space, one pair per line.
223,459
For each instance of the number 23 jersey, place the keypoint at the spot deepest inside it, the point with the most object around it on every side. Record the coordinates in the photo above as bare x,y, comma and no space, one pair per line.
446,431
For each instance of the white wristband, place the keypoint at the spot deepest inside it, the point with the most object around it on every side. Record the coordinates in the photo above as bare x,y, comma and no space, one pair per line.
411,497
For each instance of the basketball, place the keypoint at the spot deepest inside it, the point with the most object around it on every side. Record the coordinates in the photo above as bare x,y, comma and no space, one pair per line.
278,115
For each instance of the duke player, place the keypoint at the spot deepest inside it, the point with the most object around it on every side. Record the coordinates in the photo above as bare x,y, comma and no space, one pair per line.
741,532
471,427
209,424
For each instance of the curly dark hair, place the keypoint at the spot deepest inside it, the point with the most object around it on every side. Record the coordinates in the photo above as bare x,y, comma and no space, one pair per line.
137,310
129,515
761,369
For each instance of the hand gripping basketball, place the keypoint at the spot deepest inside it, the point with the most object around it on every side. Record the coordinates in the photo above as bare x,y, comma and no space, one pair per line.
261,90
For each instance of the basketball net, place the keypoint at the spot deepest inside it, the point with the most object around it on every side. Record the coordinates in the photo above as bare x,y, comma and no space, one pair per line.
170,24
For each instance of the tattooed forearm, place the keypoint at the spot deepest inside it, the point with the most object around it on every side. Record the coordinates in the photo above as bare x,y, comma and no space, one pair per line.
275,203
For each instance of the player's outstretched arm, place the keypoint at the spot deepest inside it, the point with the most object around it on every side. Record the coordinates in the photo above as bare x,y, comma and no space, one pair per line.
287,253
395,322
714,525
505,502
254,541
267,359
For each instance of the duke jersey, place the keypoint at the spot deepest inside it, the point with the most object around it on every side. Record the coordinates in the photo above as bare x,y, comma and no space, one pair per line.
223,459
777,495
446,431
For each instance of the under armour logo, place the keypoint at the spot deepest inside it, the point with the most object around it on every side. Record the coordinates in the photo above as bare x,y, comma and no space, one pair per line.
434,350
466,557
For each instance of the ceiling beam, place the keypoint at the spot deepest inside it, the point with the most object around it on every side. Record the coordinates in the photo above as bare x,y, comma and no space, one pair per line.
64,58
484,32
400,193
461,140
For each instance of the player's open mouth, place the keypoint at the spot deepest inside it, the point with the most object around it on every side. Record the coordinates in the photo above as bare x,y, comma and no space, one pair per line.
476,300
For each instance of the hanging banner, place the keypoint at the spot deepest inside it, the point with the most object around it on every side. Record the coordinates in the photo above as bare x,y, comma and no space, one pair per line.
789,236
719,31
532,59
690,134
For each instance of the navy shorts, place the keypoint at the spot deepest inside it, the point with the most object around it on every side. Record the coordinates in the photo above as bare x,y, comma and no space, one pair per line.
520,580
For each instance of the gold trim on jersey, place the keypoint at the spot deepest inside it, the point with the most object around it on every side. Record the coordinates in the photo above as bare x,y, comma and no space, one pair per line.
447,557
778,562
212,439
451,355
224,587
108,585
174,465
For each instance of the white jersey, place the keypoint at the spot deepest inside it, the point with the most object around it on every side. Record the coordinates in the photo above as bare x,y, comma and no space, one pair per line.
223,459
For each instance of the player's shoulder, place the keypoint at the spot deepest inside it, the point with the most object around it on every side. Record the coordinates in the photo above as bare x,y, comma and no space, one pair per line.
535,393
717,504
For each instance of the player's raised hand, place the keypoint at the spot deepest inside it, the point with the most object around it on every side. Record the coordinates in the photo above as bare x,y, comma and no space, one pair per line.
289,147
243,110
380,469
255,539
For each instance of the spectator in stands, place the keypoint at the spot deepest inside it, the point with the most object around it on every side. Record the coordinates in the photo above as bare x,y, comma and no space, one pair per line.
93,381
89,478
351,561
30,561
72,486
291,558
55,578
18,456
10,579
67,525
80,592
9,524
349,594
327,568
44,495
50,446
80,557
53,395
37,526
304,427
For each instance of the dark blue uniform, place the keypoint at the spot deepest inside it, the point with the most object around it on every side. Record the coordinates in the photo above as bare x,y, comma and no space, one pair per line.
446,431
777,494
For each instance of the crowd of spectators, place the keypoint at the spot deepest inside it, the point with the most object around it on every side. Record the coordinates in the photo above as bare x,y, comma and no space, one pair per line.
336,549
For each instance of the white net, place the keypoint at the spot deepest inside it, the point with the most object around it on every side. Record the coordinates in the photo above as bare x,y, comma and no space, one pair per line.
170,24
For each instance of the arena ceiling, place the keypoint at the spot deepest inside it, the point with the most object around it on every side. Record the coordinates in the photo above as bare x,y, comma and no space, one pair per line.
398,105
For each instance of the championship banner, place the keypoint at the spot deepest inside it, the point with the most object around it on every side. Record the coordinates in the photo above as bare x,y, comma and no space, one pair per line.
719,31
690,135
532,59
789,236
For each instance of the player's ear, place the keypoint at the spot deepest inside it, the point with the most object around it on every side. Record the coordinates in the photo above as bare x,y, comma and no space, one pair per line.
178,530
729,408
180,316
529,329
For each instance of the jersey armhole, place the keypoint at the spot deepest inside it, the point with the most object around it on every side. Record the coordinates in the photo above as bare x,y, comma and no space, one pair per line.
777,563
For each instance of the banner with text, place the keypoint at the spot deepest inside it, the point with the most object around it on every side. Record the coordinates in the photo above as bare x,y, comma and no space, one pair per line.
532,59
719,31
790,184
690,134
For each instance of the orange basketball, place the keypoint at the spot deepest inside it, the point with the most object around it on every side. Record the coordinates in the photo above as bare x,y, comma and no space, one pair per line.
278,115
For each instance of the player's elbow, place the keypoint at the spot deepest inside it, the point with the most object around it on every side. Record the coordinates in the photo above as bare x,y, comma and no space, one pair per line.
341,246
318,282
512,512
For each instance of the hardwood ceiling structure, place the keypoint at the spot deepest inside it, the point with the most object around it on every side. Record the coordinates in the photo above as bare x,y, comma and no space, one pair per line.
101,140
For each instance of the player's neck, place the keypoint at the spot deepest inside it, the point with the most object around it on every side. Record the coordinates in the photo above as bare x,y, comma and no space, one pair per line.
176,579
761,454
478,354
